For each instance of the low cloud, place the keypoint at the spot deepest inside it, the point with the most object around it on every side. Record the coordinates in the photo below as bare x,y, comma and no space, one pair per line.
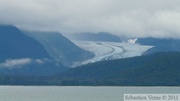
14,63
41,61
132,18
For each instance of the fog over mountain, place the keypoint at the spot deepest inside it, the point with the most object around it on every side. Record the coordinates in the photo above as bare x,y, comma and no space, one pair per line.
139,18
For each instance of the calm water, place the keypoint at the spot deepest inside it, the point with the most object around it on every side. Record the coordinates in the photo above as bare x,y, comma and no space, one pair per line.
72,93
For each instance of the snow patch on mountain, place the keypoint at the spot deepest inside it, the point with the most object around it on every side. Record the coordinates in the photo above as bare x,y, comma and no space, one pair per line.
110,50
132,40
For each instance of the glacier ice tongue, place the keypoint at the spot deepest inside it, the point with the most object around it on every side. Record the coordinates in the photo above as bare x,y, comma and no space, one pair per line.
110,50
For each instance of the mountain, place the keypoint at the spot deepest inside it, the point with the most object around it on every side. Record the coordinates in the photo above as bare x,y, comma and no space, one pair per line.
101,36
20,54
35,58
158,69
160,45
60,48
14,44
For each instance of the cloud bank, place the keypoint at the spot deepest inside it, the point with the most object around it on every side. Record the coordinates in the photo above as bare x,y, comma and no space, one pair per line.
132,18
18,63
15,62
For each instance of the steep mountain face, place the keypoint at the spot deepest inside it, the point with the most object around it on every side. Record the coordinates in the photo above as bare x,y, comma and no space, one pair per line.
20,54
14,44
158,69
160,45
61,48
101,36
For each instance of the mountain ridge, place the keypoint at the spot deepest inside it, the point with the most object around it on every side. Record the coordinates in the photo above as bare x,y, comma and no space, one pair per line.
160,45
22,55
158,69
61,48
13,46
101,36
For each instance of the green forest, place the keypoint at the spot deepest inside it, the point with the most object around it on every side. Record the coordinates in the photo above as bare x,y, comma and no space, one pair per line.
158,69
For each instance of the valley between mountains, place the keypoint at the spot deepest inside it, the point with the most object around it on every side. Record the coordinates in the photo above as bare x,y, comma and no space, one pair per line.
92,59
110,50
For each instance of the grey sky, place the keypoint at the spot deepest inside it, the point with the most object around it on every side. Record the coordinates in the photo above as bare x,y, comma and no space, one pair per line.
134,18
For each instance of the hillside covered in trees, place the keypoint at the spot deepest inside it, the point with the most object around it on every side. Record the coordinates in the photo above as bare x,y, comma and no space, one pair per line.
159,69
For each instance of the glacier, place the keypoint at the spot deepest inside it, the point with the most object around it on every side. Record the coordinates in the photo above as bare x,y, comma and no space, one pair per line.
110,50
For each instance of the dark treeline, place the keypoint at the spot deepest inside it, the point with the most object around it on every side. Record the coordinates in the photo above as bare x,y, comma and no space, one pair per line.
159,69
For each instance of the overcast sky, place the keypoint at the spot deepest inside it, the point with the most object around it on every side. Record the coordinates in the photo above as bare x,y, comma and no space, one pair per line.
133,18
